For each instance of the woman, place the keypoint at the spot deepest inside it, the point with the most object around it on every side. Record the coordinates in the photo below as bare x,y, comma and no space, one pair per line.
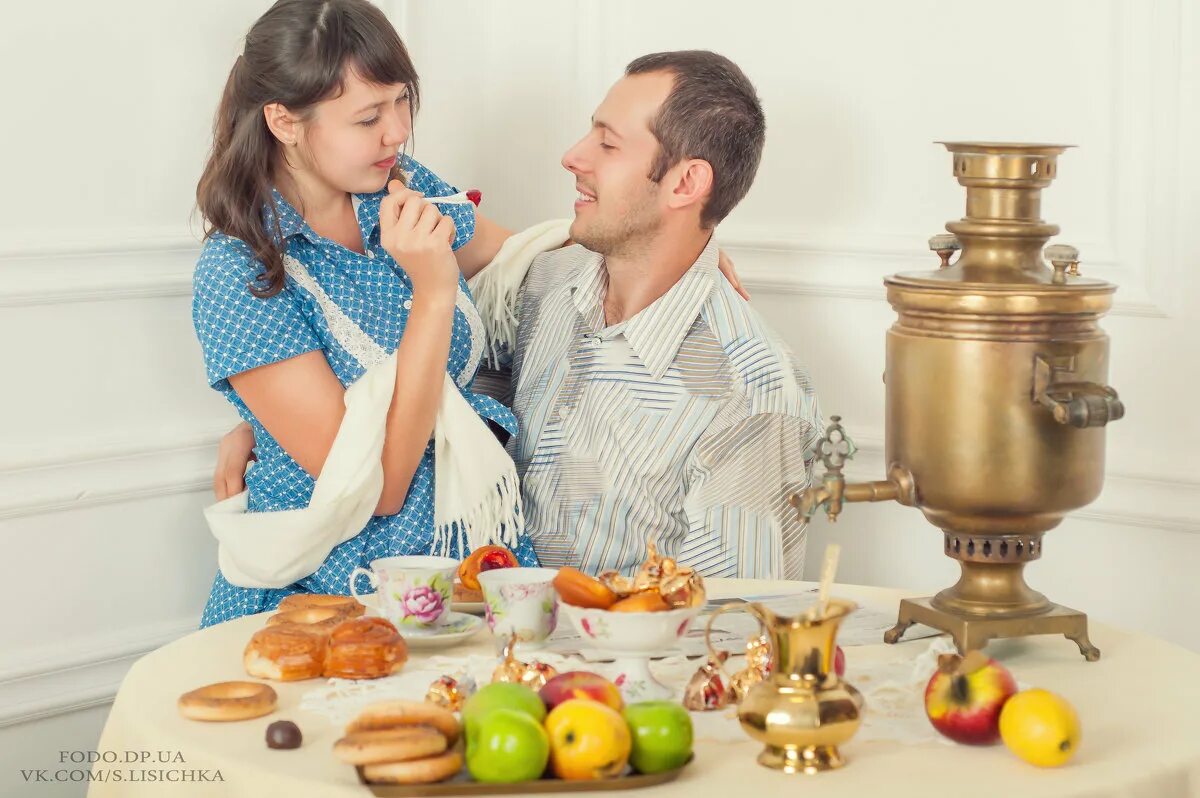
304,143
304,166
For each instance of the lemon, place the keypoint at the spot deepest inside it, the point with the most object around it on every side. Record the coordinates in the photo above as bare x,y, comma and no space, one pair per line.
1040,727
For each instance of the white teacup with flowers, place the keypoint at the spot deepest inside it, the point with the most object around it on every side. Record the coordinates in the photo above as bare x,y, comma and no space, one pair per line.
412,591
520,601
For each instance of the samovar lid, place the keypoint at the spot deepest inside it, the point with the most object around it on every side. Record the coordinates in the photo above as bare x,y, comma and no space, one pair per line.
991,280
943,293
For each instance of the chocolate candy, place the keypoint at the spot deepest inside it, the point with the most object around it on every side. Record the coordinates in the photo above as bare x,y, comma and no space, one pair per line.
283,734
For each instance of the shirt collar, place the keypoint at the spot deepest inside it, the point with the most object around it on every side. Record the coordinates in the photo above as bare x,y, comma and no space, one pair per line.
366,210
291,223
656,332
587,290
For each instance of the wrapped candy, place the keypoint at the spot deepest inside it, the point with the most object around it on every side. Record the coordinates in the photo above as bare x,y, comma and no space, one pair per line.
510,668
621,585
679,586
683,588
449,692
706,690
650,573
531,674
758,667
537,674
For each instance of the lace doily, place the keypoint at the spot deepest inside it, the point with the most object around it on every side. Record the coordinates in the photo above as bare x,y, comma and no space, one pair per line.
894,691
341,700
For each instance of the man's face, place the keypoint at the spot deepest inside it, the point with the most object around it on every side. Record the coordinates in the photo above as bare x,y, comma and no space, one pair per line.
619,206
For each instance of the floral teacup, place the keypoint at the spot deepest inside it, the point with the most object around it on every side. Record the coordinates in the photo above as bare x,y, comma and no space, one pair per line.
413,591
520,600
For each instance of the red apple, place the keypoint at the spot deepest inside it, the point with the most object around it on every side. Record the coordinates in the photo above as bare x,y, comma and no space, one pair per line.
839,662
965,695
580,684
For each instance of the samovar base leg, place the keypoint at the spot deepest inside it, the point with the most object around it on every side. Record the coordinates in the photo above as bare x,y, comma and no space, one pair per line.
971,634
905,620
1080,637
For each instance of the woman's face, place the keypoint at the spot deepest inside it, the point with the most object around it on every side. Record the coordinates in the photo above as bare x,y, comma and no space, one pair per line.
350,142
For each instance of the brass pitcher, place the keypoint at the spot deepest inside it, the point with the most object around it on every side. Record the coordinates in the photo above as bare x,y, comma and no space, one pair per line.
802,712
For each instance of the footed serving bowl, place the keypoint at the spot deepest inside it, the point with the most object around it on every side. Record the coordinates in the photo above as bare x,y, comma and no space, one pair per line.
632,638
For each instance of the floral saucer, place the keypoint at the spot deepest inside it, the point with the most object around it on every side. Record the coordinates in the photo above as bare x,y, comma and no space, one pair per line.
458,627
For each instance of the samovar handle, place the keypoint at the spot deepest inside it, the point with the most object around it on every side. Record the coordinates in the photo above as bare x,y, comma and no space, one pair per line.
1078,404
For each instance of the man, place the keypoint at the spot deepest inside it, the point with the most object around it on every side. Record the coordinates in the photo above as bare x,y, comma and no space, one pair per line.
653,403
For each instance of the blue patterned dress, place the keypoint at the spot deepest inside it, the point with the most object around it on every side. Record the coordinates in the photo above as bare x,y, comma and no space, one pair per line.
239,331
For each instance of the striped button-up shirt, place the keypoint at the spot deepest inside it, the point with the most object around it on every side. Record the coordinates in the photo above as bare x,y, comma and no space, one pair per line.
688,424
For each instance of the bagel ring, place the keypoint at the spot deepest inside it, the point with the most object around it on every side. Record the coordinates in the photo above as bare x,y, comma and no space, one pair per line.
419,771
228,701
390,714
389,745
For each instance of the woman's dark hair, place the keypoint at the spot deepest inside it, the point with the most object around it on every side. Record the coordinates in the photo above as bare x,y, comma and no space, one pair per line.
296,54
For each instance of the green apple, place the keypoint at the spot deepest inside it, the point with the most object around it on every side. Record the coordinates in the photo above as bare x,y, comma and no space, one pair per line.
503,695
506,745
662,735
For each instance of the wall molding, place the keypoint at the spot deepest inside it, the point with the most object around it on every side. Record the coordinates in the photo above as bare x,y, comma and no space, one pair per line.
808,268
53,681
115,241
1141,256
62,275
91,474
1146,501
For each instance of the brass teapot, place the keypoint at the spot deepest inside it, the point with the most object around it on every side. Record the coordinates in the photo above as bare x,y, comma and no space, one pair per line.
803,711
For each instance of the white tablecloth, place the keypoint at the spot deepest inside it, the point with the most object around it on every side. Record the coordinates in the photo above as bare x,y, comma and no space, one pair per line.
1139,706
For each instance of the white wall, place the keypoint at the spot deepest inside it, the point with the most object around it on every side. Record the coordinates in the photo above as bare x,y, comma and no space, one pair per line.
107,434
851,187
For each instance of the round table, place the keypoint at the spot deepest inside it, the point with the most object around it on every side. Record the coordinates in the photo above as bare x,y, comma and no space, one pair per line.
1139,707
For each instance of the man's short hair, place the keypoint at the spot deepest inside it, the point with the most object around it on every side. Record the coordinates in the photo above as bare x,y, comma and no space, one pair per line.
712,113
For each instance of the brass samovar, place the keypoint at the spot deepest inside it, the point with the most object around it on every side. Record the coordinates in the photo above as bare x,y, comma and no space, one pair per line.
996,401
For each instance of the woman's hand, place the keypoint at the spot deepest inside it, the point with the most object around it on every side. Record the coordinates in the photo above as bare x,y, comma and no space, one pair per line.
234,454
726,267
418,236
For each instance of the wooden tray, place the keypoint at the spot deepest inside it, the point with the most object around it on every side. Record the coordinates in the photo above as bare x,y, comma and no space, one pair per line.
462,785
